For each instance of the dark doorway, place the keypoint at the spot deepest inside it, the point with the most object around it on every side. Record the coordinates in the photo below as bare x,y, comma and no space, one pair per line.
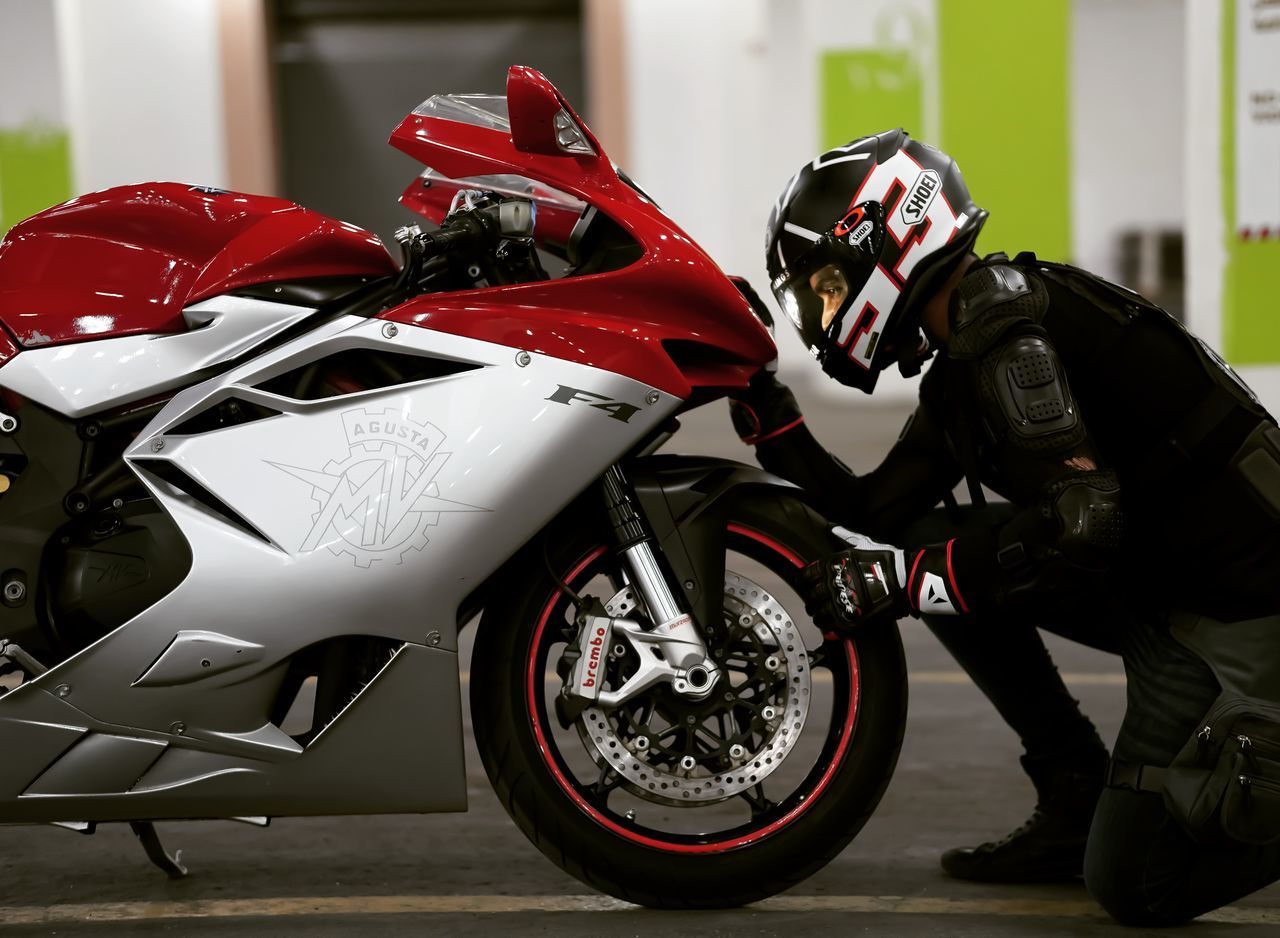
349,70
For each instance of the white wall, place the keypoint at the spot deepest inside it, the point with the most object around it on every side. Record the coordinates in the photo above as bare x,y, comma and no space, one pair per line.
142,81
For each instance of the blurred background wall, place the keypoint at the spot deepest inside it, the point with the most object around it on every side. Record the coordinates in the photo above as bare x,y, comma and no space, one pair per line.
1131,138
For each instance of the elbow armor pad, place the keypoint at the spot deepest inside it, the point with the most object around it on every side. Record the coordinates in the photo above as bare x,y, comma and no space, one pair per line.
1092,521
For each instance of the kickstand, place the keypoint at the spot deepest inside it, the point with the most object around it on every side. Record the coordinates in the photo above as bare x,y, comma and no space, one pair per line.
172,865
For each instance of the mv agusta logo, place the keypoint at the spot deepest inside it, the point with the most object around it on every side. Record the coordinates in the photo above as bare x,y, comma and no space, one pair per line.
378,501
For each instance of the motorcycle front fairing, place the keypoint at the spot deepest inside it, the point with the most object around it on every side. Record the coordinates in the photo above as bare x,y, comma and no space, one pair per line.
670,318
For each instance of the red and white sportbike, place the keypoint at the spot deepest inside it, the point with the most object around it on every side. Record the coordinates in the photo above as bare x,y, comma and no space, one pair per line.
255,475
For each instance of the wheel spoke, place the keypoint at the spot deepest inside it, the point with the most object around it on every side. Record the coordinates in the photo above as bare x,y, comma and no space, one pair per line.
607,781
668,732
707,739
759,803
818,657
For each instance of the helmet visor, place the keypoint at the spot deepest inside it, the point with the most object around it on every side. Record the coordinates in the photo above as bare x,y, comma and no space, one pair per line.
821,282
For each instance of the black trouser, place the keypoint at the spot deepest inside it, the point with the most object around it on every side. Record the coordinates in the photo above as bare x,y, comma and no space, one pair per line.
1140,865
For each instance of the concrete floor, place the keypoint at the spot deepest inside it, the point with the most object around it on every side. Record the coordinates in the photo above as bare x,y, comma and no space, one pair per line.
474,874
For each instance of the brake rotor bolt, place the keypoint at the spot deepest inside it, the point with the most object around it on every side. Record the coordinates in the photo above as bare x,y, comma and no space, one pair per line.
768,713
390,330
737,751
688,763
523,359
772,662
642,743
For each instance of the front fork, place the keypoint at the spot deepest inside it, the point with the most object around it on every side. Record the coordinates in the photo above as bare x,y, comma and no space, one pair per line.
670,647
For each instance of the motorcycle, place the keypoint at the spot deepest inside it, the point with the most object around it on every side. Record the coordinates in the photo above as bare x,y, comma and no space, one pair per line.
255,476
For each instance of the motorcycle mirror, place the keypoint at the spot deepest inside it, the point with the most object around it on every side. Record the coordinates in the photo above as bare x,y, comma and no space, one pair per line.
541,122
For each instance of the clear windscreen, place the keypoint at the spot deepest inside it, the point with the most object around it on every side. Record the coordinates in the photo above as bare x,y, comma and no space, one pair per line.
479,110
511,185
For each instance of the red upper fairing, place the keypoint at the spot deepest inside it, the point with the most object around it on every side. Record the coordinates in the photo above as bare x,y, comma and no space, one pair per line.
672,319
127,260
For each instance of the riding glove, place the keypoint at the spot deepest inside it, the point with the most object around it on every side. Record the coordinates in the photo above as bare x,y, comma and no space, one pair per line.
872,581
766,409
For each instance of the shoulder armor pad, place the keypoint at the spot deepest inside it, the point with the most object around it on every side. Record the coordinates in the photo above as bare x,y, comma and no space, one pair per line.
988,301
1032,392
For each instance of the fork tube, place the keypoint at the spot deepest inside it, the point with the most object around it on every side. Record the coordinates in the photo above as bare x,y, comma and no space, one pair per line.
636,549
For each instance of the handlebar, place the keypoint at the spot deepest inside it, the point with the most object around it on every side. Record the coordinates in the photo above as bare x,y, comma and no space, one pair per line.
477,230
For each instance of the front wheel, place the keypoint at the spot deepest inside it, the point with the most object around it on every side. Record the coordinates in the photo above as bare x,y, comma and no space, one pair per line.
674,803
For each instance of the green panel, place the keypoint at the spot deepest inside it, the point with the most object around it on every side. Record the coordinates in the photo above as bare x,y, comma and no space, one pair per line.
1004,86
1251,278
866,91
35,172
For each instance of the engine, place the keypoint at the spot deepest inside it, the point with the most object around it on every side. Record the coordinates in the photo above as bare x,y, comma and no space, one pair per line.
84,548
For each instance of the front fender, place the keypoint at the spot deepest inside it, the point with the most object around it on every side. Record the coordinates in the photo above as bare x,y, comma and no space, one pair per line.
688,502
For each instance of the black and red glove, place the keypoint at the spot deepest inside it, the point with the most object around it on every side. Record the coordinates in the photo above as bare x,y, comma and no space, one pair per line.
872,582
765,410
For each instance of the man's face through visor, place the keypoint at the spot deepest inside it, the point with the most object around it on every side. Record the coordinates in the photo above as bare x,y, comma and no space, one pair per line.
828,283
818,289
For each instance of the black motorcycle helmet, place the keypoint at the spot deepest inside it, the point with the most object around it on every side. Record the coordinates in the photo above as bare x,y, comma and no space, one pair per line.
867,232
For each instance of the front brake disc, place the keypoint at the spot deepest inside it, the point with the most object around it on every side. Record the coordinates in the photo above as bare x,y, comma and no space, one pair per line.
701,752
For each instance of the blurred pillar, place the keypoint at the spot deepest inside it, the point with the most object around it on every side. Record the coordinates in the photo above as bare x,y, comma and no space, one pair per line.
602,27
34,145
1233,273
248,96
1205,234
143,91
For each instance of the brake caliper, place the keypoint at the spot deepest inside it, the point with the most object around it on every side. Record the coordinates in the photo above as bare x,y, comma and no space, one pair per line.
658,656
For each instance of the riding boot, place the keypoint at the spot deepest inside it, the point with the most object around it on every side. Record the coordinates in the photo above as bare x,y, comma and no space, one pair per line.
1049,846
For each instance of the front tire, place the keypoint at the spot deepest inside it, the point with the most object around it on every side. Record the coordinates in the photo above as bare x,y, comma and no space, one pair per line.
705,861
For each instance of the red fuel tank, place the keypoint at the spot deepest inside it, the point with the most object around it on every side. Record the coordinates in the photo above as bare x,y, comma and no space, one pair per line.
127,260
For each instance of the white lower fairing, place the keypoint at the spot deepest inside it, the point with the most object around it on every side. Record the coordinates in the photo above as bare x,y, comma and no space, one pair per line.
379,511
